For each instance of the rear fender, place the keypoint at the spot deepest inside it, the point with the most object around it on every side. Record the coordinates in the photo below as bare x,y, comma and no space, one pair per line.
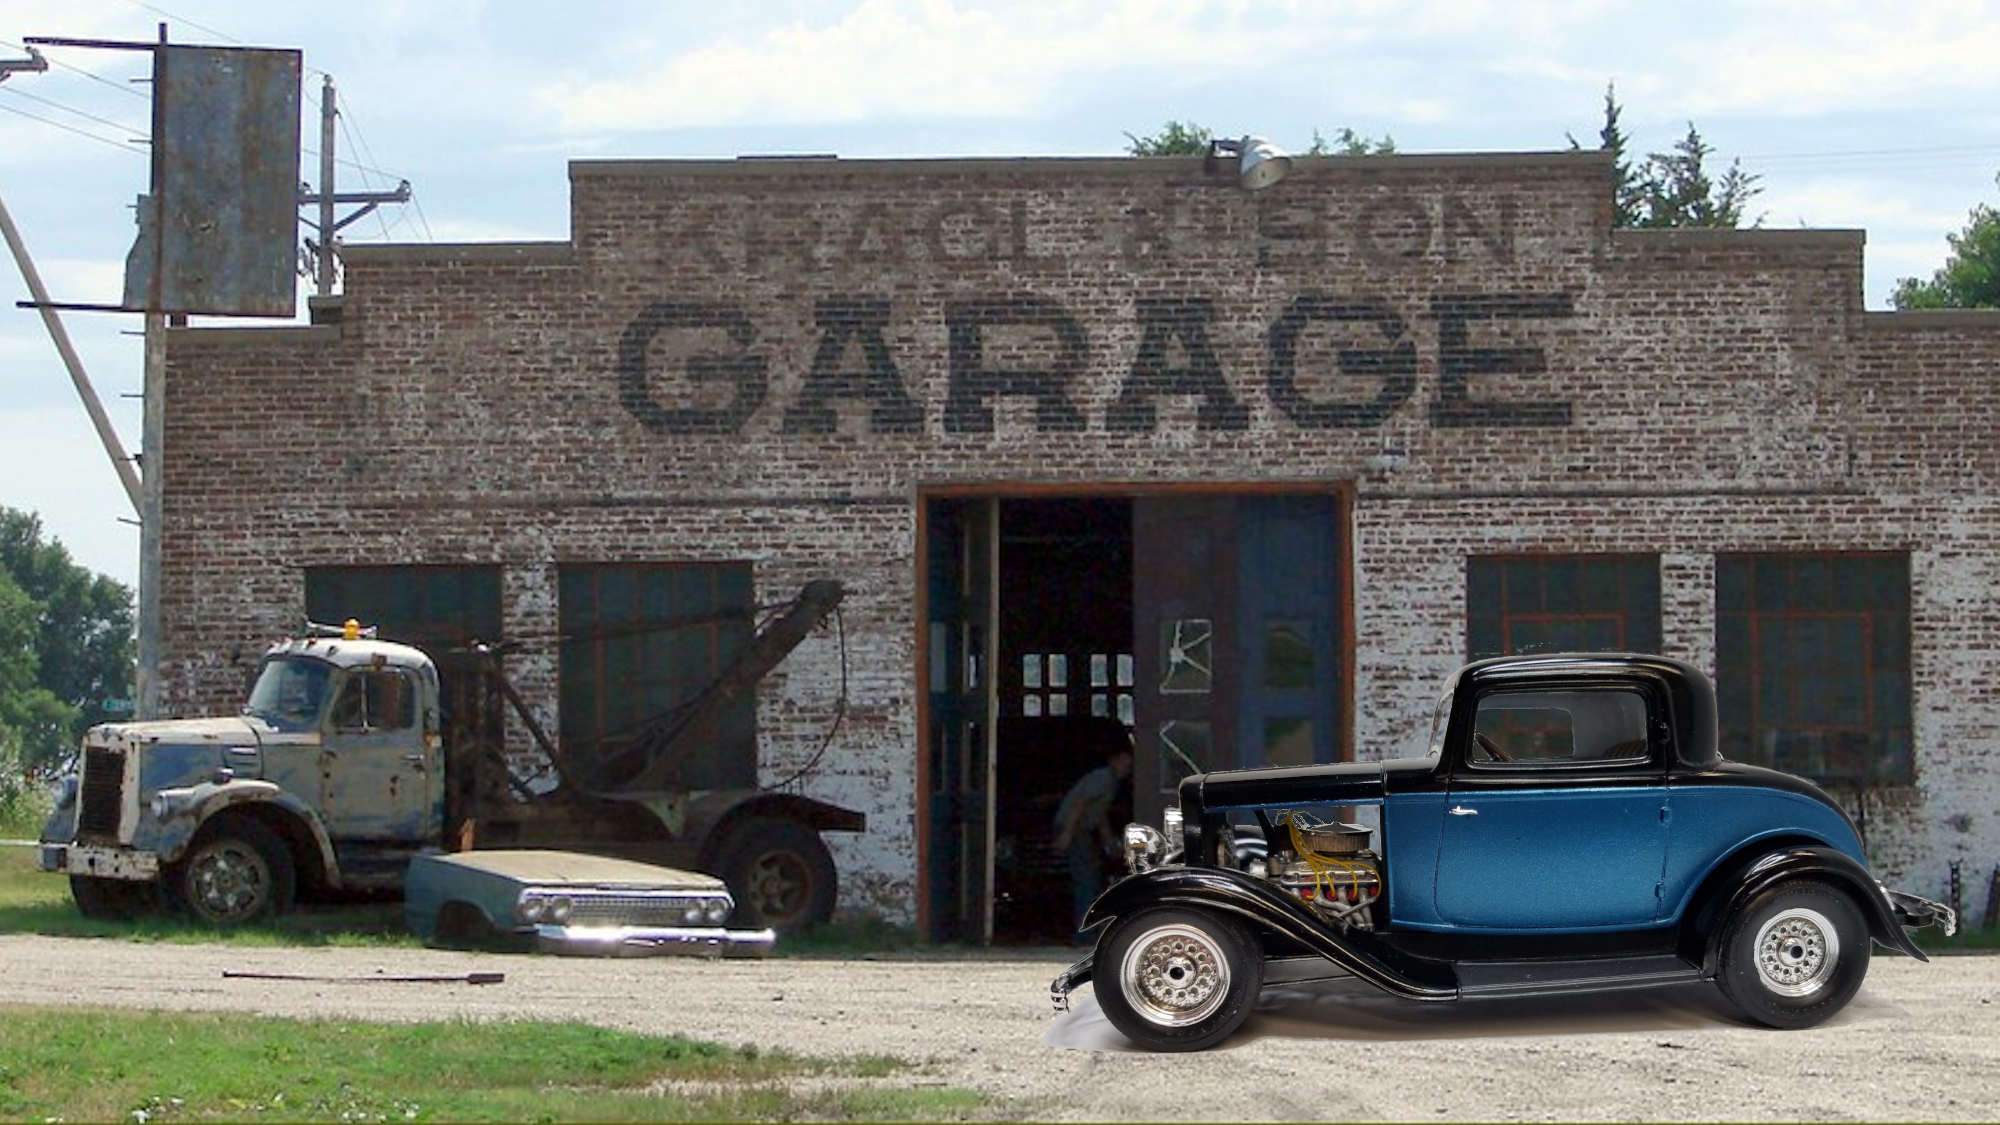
1269,910
1747,879
710,816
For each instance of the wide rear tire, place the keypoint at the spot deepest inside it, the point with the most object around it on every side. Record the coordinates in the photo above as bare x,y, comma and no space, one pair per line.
1794,955
1177,980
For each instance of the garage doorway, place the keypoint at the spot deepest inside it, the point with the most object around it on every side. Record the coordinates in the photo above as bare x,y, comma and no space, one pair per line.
1206,630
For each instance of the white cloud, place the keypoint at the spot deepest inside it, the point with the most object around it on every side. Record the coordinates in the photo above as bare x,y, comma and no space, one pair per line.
917,59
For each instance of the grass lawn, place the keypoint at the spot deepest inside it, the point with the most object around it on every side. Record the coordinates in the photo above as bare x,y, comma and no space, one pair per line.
83,1065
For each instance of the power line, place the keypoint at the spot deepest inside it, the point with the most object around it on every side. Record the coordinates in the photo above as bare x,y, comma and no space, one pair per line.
122,146
99,79
138,135
159,11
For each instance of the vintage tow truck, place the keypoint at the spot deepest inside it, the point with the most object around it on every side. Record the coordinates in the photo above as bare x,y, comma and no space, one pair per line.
338,773
1572,828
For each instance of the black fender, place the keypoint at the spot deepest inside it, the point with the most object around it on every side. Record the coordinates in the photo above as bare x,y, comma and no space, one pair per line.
709,816
1271,910
1761,872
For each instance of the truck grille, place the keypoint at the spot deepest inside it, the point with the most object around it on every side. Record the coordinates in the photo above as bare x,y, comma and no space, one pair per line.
100,794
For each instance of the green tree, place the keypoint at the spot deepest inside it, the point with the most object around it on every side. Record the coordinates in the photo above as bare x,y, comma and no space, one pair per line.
1671,188
1969,278
1176,138
65,641
1186,138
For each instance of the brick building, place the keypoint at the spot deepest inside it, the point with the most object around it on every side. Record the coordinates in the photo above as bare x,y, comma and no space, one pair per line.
1116,438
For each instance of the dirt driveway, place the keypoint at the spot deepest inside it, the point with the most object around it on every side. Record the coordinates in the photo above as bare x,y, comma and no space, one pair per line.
1921,1043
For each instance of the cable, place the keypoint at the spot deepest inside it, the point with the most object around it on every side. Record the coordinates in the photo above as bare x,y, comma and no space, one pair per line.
839,713
102,81
138,135
157,10
121,146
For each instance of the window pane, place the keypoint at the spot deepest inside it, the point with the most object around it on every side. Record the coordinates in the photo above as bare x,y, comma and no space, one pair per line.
1288,655
1187,653
1288,742
1185,746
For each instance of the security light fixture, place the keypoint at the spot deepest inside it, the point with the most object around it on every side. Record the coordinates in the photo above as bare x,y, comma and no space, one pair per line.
1259,163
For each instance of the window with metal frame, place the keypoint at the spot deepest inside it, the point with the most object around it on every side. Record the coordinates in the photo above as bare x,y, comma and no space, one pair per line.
641,642
1812,660
1518,604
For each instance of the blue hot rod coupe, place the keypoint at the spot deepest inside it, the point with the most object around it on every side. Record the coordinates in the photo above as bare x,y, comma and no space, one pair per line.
1572,828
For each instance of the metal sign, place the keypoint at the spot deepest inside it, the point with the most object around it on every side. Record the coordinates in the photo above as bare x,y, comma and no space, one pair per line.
219,231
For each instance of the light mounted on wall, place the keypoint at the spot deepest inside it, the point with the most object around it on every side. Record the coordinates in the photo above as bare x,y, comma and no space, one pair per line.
1259,163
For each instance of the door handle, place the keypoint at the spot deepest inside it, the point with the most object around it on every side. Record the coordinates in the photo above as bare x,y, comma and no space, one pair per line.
414,759
1461,810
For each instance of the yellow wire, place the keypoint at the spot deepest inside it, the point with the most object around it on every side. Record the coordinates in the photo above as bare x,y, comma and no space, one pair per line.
1325,868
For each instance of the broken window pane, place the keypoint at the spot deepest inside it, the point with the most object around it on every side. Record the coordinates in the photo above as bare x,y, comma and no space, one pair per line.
1187,652
1184,750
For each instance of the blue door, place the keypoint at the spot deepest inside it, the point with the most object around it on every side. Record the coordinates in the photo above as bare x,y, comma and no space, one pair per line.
1556,815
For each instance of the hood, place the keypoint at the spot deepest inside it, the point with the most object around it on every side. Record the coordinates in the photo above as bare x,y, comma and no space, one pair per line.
578,870
186,732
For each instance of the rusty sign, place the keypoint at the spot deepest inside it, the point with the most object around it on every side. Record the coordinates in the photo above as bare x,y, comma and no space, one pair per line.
219,231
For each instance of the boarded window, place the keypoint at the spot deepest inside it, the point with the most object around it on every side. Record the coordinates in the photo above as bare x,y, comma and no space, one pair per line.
1519,604
440,609
1812,656
641,644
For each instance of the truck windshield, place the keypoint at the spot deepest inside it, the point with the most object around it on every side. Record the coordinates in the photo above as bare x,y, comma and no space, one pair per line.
290,691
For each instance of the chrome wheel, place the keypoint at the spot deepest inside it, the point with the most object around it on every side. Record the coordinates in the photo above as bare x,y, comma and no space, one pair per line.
1175,975
1797,952
228,882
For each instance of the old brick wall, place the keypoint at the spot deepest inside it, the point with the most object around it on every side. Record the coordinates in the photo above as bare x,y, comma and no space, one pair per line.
766,360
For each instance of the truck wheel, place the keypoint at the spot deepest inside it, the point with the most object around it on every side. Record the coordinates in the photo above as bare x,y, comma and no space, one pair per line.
236,873
112,900
779,873
1794,954
1178,980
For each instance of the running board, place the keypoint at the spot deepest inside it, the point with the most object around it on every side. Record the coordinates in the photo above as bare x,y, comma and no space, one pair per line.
1478,980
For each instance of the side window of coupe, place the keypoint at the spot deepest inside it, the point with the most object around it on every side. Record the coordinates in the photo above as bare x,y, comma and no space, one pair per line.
1559,727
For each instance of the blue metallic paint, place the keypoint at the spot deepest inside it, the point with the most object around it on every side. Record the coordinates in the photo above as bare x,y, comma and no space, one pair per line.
1711,823
1551,859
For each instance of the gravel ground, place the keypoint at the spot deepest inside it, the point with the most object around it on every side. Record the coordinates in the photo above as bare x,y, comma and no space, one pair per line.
1922,1042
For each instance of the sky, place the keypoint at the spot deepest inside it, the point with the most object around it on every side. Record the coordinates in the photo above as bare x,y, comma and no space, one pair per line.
1883,117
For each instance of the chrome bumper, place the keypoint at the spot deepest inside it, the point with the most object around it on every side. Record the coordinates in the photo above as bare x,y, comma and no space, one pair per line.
1067,980
101,862
1917,913
649,941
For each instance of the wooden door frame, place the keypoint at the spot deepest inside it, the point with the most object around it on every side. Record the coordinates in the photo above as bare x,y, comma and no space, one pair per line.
1342,492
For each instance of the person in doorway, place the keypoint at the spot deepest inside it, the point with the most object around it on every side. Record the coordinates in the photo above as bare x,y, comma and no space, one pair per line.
1084,834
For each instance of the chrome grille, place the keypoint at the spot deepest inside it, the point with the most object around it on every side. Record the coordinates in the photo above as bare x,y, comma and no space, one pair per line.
613,908
100,793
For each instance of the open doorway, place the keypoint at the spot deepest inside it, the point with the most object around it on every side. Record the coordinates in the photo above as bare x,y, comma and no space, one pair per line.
1203,629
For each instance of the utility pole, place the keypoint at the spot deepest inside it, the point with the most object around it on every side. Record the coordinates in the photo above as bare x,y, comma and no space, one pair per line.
114,448
326,249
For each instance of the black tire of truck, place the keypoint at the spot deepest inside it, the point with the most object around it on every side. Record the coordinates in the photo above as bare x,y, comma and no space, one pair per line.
237,872
779,874
113,900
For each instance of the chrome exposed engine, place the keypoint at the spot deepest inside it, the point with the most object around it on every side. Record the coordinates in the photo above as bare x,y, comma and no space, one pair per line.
1329,868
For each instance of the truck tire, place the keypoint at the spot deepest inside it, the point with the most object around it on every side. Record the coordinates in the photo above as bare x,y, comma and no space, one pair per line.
238,872
113,900
1177,980
1794,954
779,873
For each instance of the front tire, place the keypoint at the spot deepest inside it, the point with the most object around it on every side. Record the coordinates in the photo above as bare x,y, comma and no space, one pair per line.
1178,980
1794,954
236,873
112,900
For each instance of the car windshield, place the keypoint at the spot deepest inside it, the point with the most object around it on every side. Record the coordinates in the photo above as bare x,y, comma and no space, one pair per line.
1442,718
290,691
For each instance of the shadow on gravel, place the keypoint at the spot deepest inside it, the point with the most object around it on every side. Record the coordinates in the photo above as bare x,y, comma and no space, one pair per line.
1350,1011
